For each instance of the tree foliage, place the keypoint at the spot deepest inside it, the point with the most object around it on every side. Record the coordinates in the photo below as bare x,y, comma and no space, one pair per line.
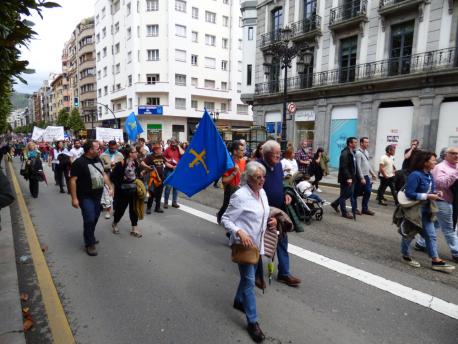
15,32
63,118
75,122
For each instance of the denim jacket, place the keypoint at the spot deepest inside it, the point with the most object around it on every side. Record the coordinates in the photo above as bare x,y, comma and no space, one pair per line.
419,184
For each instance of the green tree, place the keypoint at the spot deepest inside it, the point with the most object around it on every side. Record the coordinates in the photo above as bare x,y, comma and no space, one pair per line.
15,32
75,122
63,118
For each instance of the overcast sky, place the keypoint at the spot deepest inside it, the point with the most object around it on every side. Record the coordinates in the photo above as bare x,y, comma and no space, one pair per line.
44,52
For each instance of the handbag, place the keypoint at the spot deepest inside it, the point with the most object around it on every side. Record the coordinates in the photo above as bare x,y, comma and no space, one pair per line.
245,255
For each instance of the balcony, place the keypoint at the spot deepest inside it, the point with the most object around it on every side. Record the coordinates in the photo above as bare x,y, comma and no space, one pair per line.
349,15
395,68
269,38
398,6
306,29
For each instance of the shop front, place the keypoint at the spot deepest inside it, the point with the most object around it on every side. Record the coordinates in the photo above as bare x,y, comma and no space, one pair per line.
154,132
273,120
304,121
447,133
344,124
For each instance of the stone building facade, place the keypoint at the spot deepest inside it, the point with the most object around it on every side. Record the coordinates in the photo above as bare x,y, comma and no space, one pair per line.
386,69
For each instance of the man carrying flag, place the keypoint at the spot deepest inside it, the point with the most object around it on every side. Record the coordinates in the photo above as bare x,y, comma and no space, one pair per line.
133,127
205,160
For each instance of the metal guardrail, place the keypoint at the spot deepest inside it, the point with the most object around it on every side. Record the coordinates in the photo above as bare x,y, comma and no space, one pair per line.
409,65
385,3
305,26
348,11
269,38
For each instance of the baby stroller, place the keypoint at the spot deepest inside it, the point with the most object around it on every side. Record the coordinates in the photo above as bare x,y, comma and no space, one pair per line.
306,207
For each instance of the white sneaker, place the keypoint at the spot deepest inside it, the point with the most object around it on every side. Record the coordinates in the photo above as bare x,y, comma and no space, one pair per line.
318,190
107,216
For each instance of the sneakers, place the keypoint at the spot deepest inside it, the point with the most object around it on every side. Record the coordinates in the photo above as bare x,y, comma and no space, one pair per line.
419,248
358,212
107,216
347,216
91,251
158,210
239,306
411,262
289,280
382,202
166,206
148,211
442,266
319,190
368,212
255,332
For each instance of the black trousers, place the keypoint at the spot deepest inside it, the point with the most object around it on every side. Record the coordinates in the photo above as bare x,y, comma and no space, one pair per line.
33,187
228,191
61,175
121,201
384,183
155,195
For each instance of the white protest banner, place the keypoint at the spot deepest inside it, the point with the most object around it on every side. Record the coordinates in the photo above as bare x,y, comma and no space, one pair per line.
108,134
53,134
37,133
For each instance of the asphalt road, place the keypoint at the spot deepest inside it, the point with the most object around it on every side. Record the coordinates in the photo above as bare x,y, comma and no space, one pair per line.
176,284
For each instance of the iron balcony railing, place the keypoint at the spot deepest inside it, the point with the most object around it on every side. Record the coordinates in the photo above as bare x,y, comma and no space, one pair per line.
269,38
385,3
305,26
408,65
349,10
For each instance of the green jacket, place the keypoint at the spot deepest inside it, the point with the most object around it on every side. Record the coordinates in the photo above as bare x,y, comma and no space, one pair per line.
408,218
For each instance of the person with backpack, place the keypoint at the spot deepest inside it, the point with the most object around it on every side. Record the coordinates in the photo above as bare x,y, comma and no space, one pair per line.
33,168
61,163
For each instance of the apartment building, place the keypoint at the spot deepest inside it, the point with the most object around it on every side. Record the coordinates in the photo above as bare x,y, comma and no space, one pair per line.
386,69
60,95
168,60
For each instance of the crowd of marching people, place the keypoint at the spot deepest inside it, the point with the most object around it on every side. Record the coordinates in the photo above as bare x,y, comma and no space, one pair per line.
266,195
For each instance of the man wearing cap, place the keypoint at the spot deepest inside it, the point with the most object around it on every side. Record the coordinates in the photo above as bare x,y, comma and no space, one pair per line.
111,156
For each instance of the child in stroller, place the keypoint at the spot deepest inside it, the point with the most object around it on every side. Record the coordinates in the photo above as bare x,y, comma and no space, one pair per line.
312,204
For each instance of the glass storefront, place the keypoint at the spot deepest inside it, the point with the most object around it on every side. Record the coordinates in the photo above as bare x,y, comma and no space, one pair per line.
154,132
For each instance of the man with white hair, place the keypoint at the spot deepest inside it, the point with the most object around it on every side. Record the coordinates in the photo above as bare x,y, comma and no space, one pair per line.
273,186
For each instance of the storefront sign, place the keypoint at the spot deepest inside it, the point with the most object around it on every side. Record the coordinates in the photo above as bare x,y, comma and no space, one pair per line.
150,110
108,134
304,116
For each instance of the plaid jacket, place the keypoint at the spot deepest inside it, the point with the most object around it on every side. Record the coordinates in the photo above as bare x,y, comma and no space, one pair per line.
302,155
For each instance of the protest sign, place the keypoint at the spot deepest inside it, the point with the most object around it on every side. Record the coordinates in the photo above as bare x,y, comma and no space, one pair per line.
53,134
108,134
37,133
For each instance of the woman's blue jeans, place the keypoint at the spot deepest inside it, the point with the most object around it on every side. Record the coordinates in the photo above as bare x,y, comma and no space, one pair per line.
168,172
428,232
245,292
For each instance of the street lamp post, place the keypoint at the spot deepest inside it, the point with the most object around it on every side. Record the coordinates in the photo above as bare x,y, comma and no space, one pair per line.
284,52
215,116
117,120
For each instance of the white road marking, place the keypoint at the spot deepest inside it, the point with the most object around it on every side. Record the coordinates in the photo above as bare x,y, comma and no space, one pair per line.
402,291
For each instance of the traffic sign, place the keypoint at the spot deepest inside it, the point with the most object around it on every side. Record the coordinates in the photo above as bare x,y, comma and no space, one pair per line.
292,108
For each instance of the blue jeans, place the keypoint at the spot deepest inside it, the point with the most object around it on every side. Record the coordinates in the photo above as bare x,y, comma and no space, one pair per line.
168,172
445,222
245,291
283,257
367,189
346,192
315,197
90,208
428,232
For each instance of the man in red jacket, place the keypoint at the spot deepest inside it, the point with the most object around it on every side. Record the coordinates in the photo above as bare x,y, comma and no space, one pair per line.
171,157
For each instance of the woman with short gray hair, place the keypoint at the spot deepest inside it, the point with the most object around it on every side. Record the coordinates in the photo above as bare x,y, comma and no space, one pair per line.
246,220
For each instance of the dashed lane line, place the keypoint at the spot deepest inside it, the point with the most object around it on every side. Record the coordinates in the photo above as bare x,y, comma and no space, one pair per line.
395,288
58,322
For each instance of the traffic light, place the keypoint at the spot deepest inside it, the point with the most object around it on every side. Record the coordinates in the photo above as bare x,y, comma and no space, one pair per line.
76,102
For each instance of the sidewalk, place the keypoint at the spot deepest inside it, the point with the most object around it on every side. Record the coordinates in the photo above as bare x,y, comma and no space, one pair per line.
11,331
331,180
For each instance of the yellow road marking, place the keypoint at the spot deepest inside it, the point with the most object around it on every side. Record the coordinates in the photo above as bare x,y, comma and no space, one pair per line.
58,322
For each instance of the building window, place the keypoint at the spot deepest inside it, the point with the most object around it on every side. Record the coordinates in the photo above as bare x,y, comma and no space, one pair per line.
225,21
97,38
180,30
128,8
277,19
129,57
129,103
210,106
118,68
210,62
239,87
152,54
248,74
151,79
116,27
223,107
180,103
104,32
194,60
224,43
210,17
153,101
223,65
105,90
239,66
152,5
98,56
210,40
129,33
117,48
180,79
194,104
195,36
129,80
209,84
152,30
118,87
250,33
242,108
99,92
224,85
180,55
180,5
195,13
240,44
194,82
104,71
104,11
104,51
225,2
99,75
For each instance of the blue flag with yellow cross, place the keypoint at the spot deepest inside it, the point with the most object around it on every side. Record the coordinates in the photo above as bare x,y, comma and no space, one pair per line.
133,127
205,160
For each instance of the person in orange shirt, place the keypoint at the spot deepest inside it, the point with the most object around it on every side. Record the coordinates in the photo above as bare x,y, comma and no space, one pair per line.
231,178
